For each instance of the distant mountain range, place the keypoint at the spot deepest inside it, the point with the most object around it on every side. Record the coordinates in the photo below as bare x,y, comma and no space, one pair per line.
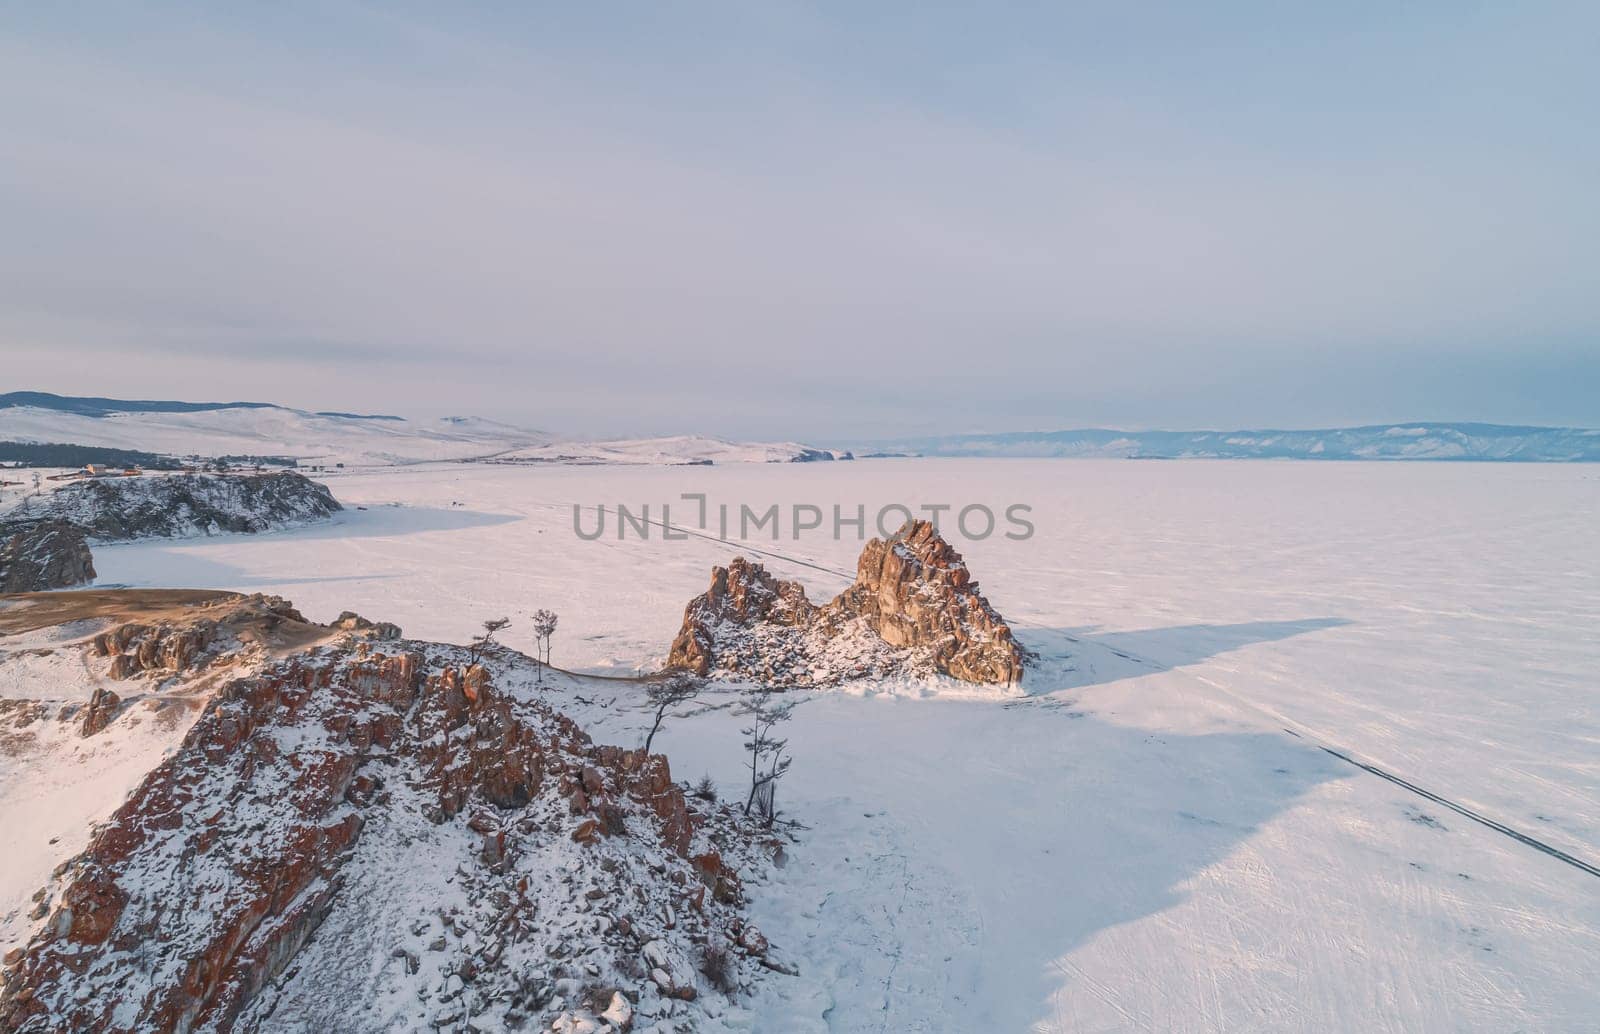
90,405
1413,441
265,429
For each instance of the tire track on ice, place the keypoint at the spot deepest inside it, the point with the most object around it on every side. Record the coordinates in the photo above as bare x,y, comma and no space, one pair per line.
1349,757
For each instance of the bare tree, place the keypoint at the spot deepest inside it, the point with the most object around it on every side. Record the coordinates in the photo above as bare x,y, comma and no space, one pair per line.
679,688
481,643
544,626
769,758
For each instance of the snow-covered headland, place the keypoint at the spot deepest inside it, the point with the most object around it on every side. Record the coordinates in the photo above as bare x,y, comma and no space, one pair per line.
366,833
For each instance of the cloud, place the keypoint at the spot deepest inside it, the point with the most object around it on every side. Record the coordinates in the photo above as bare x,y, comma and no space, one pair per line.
635,233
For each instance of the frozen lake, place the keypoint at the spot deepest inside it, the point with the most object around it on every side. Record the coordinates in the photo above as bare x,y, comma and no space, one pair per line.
1150,837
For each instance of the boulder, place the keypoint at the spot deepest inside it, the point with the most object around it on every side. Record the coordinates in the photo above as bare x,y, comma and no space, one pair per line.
382,631
670,971
103,707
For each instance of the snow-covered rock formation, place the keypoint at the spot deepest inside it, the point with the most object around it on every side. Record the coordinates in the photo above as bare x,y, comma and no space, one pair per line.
43,556
365,835
913,609
177,505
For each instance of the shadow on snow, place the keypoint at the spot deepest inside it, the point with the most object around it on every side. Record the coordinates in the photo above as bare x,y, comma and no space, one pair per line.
1071,658
958,852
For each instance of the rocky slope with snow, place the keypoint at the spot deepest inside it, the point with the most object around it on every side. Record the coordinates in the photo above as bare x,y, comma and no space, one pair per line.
354,832
912,610
52,554
179,505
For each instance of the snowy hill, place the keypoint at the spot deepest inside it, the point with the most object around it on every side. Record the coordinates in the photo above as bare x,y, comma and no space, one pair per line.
264,429
181,505
677,449
252,429
94,405
1414,441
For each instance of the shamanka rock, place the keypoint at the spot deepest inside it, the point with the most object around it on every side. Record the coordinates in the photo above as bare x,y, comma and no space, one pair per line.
913,609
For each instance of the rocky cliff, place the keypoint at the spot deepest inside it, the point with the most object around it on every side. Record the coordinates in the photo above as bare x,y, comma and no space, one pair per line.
370,836
175,505
913,609
44,556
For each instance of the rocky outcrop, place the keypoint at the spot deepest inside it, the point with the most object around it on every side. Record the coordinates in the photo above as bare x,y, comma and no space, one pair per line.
175,505
743,595
367,839
810,455
915,591
912,609
97,714
50,554
186,644
383,631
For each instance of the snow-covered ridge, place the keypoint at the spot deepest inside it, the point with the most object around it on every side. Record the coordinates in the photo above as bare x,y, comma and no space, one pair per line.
678,449
181,505
265,430
329,438
1411,441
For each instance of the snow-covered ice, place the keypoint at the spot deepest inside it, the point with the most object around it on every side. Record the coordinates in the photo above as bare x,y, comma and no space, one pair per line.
1150,836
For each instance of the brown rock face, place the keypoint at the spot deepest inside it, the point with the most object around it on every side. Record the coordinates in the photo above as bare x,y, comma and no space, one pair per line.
912,608
916,591
136,648
48,555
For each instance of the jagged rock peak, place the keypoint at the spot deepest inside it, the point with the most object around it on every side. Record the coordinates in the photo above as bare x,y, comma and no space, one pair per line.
912,609
915,590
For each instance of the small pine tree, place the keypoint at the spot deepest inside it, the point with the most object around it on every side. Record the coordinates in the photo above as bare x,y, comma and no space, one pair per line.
481,643
544,627
666,694
769,759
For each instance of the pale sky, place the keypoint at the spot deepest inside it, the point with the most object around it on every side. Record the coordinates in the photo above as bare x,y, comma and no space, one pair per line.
779,220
